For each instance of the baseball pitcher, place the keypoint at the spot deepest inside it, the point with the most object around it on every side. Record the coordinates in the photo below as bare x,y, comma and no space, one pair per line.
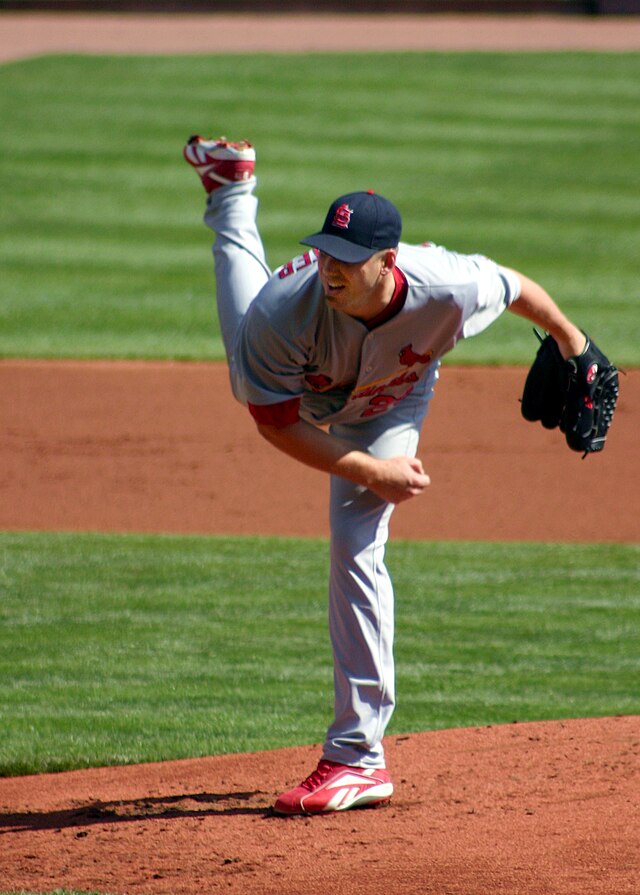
336,355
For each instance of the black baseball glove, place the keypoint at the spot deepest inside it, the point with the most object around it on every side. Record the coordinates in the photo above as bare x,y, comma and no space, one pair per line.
578,395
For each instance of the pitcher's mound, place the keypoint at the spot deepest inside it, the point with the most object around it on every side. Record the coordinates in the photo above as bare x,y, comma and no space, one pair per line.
532,809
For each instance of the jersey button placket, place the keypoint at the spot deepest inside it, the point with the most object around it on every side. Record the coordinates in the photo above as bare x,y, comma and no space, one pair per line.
370,340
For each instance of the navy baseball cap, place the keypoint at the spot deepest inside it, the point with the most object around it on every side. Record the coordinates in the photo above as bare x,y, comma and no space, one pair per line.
357,226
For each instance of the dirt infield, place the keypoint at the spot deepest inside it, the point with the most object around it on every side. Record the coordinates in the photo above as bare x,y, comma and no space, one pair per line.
523,809
27,35
163,447
526,809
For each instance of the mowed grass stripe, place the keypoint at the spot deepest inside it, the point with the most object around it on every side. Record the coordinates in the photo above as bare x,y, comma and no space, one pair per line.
529,158
117,649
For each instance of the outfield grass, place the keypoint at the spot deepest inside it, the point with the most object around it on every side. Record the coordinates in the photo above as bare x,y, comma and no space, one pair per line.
530,158
120,649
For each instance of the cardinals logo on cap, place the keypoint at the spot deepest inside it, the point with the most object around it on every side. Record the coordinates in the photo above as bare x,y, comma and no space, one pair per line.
342,217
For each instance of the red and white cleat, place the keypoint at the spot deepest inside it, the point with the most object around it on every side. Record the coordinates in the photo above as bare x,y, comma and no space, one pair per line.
219,161
336,787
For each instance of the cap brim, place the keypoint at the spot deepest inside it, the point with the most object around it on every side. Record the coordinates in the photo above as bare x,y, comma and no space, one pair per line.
338,248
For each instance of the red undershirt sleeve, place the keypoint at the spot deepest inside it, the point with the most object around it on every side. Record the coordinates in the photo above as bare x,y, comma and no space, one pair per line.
282,414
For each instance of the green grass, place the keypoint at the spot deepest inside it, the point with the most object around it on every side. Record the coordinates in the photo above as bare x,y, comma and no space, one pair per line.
529,158
120,649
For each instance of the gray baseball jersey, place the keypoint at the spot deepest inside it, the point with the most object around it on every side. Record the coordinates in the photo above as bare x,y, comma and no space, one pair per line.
293,345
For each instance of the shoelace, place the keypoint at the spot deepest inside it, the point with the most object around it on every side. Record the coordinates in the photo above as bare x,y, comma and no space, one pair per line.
316,777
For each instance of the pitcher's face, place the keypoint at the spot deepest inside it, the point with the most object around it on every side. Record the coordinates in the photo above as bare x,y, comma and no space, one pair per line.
361,289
